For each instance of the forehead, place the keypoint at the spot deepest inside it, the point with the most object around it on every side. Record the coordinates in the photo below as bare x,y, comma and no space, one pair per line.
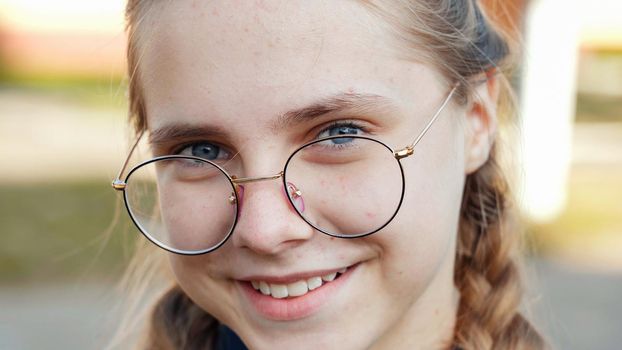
228,59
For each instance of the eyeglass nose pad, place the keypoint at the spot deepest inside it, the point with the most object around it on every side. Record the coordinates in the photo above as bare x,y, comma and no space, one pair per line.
233,200
296,195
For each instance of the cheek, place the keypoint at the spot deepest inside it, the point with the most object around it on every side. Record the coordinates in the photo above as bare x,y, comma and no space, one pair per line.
351,197
419,238
196,216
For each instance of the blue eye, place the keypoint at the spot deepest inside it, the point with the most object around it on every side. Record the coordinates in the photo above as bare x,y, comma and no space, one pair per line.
338,129
205,150
343,130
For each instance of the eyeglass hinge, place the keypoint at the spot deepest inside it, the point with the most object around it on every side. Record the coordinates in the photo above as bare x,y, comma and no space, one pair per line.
404,152
118,185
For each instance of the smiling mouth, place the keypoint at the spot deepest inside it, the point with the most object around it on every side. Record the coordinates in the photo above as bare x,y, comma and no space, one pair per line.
295,289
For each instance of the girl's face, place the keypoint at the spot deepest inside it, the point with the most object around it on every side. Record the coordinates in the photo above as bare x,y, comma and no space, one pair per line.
230,70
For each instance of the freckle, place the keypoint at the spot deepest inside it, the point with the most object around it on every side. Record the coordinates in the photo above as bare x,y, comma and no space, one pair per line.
246,29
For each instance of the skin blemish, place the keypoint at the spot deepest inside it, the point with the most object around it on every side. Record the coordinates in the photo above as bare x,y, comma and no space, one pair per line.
344,182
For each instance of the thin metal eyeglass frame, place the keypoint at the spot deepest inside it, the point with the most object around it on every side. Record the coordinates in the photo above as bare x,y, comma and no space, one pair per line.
407,151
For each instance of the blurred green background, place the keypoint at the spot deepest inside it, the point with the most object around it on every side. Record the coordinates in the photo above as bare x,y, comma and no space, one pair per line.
65,237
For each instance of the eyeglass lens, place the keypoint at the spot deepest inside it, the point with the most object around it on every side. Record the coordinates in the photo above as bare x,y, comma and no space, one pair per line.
343,186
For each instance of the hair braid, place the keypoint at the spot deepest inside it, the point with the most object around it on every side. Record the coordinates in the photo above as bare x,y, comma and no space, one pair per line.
486,273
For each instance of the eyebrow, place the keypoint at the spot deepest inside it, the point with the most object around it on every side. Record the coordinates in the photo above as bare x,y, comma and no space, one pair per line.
180,131
343,102
358,103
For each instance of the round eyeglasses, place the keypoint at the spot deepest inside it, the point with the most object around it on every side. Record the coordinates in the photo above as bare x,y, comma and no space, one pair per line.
345,186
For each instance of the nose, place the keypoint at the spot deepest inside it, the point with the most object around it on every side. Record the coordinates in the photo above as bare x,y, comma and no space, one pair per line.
267,222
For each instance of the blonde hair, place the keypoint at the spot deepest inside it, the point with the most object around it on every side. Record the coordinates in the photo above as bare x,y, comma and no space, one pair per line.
457,38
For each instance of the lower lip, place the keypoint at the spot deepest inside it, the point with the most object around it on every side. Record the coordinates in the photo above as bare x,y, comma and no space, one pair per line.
289,309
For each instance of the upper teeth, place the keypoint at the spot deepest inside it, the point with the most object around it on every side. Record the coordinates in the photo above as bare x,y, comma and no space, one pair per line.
295,289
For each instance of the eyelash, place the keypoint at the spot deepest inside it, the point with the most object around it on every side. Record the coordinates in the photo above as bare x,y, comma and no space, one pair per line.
341,124
178,149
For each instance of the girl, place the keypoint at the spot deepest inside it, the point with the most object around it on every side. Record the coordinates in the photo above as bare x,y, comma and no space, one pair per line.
324,175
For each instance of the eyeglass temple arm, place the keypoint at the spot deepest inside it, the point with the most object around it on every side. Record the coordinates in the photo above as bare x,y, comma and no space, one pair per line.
117,183
408,150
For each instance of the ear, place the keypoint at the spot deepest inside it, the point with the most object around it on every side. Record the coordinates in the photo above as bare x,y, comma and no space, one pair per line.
481,123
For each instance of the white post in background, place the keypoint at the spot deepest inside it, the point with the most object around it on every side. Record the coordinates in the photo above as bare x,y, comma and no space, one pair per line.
548,95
